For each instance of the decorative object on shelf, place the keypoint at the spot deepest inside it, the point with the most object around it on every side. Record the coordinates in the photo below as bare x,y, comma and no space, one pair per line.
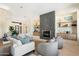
68,18
74,23
64,24
36,27
67,32
36,24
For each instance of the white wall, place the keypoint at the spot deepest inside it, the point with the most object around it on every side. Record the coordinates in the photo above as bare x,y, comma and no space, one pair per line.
78,26
4,21
32,10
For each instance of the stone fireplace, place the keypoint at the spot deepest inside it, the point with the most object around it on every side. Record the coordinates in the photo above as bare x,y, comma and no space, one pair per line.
47,25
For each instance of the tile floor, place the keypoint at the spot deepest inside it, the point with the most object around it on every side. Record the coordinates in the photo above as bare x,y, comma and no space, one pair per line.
70,48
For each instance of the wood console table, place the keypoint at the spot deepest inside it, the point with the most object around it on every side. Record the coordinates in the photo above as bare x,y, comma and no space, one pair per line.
36,33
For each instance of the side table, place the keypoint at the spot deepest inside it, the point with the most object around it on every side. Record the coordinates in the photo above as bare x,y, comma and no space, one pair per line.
5,47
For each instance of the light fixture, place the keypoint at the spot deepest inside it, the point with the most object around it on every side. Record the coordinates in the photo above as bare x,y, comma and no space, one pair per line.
21,6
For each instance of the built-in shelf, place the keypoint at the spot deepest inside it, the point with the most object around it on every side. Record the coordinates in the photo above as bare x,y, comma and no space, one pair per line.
64,22
67,24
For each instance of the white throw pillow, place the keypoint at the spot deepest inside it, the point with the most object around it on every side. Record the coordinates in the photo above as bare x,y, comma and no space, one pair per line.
21,35
19,42
52,40
15,41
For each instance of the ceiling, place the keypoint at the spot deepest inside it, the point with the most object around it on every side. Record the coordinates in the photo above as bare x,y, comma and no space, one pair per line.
31,10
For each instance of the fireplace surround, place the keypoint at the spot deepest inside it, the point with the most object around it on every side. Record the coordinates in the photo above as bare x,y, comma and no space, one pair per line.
47,25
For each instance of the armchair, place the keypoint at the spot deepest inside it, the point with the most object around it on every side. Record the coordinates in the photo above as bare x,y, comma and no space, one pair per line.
48,49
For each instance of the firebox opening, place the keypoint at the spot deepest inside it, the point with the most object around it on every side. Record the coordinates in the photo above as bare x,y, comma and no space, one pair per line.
46,34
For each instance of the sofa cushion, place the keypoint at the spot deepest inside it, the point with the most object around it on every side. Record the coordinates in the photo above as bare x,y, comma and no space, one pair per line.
21,36
15,41
14,45
19,42
29,38
14,36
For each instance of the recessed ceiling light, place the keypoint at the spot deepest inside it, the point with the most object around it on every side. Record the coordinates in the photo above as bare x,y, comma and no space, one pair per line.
21,6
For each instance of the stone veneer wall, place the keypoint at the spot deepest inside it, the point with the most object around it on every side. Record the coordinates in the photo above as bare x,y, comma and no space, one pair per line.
47,22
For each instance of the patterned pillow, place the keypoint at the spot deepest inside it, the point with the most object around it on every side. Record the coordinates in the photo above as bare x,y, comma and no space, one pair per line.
24,40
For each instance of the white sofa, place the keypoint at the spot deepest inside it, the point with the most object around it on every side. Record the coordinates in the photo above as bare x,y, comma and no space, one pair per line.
19,49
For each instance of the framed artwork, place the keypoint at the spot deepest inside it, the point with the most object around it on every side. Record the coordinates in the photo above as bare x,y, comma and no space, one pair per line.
68,18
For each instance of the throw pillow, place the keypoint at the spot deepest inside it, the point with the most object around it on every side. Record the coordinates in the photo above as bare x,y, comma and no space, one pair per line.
52,40
19,42
24,40
14,36
29,38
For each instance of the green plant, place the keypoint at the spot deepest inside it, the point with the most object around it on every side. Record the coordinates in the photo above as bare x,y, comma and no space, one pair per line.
13,31
11,28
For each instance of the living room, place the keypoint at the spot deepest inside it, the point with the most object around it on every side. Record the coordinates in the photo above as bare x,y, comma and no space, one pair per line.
19,21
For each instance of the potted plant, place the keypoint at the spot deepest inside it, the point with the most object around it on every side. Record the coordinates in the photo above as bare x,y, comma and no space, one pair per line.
13,31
